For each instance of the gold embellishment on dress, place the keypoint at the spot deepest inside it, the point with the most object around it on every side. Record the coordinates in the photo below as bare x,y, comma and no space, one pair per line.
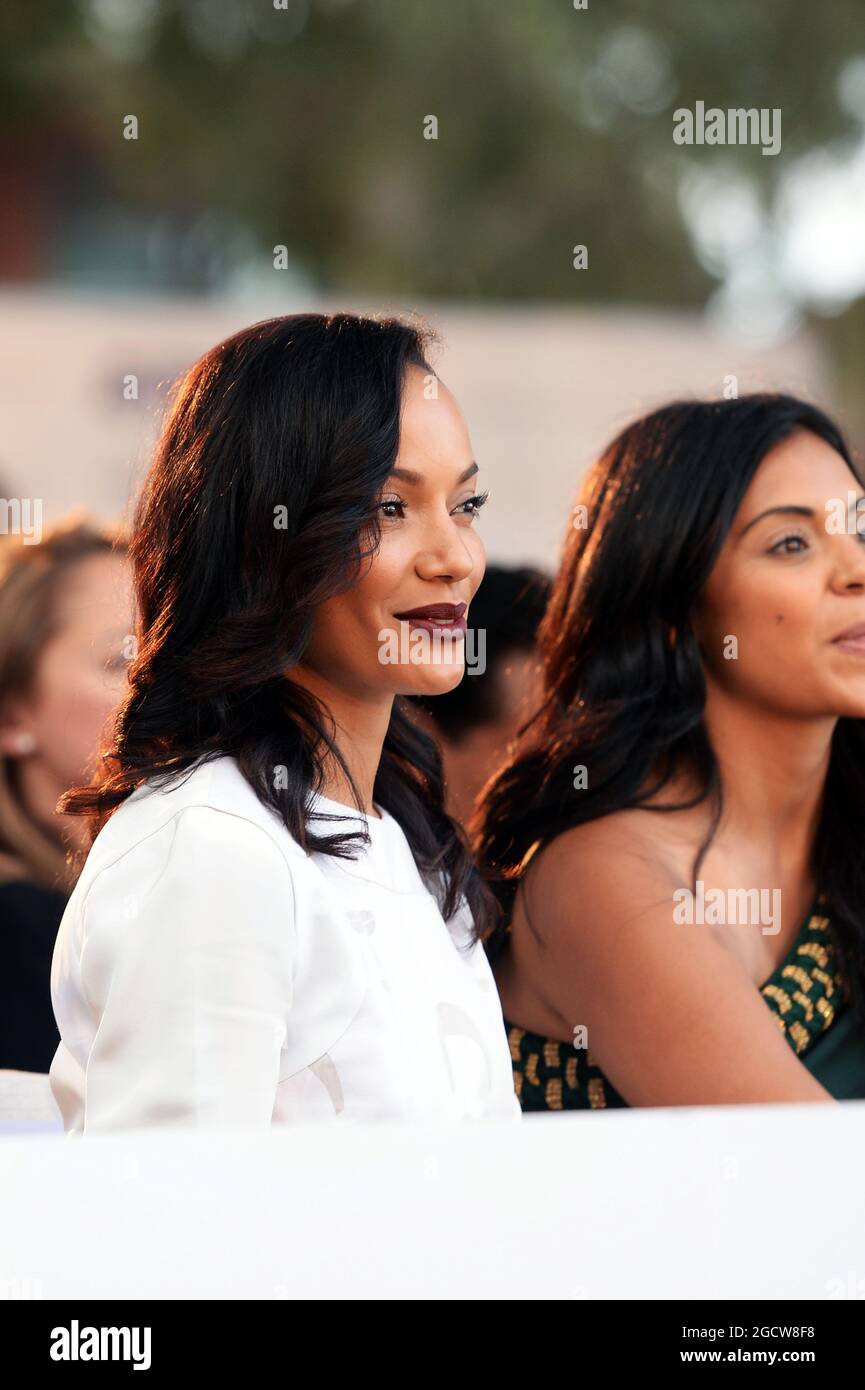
795,972
553,1094
820,972
793,1010
785,1003
551,1054
815,951
825,980
597,1099
828,1012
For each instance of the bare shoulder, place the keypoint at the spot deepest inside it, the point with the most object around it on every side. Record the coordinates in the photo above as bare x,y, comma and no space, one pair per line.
623,861
673,1017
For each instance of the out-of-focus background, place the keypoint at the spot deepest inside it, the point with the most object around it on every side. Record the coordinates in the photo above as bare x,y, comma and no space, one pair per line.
174,169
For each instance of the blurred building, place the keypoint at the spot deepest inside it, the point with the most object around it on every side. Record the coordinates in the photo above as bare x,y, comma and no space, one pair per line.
84,382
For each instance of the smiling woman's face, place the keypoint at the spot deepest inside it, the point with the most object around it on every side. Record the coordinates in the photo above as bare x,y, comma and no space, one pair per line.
787,589
375,639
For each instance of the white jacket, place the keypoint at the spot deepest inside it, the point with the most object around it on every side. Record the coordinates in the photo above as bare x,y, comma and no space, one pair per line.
207,971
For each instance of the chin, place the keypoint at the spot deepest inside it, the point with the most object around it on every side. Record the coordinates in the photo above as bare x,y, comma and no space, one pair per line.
431,680
853,707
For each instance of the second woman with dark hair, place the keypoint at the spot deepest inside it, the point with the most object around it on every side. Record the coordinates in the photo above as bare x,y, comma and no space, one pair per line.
678,839
277,921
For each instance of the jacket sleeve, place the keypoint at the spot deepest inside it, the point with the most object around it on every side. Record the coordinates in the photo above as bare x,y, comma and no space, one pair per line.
187,964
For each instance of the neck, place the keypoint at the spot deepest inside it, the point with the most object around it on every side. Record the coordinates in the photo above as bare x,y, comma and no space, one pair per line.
773,772
361,723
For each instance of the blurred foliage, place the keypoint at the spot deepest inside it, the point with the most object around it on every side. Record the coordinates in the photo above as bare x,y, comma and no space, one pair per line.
305,125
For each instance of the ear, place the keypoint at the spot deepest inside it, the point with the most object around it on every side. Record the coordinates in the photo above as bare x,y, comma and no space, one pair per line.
16,738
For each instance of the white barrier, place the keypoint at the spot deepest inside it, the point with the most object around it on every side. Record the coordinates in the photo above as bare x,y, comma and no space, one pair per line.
734,1202
27,1103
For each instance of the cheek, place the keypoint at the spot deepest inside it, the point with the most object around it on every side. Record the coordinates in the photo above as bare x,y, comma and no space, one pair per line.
477,550
380,586
345,629
369,607
763,635
71,715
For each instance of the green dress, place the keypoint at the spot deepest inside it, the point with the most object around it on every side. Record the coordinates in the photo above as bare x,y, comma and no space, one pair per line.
804,994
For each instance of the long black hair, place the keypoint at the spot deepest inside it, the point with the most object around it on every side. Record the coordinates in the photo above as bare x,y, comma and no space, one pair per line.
261,503
624,683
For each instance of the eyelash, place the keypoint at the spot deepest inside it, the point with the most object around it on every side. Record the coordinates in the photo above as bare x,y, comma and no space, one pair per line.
473,504
777,549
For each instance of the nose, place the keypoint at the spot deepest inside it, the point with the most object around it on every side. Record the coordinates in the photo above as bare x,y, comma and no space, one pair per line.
444,552
849,574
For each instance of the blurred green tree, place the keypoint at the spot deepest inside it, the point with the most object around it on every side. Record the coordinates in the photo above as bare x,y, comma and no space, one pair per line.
302,123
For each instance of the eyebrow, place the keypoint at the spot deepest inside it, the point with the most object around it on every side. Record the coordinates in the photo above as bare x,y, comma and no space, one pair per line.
854,506
772,511
407,475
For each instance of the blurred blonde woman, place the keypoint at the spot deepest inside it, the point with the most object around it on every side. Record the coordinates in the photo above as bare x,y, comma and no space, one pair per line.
65,613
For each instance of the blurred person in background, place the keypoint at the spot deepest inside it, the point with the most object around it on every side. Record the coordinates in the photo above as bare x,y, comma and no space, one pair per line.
476,721
677,840
65,611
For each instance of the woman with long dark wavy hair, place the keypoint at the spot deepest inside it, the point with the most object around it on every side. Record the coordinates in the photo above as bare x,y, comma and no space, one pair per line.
677,837
277,922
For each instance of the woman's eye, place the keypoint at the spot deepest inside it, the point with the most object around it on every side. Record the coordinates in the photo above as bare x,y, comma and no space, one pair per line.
789,545
472,505
392,508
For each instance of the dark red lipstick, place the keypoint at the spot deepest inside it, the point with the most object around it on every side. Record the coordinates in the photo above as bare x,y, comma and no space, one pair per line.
436,617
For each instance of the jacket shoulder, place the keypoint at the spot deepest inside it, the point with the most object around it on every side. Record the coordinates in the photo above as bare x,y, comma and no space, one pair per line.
214,801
